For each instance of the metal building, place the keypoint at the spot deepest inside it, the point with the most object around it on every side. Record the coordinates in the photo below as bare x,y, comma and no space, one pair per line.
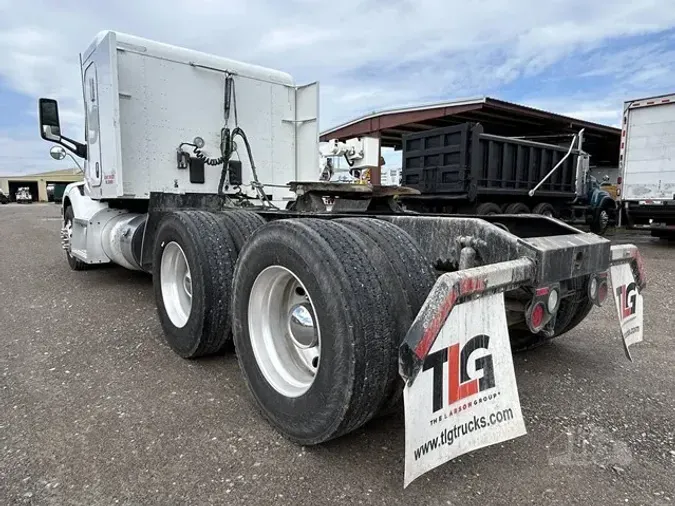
37,183
498,117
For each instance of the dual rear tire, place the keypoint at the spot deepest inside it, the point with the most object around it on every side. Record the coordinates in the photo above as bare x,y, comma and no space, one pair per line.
193,265
317,310
357,301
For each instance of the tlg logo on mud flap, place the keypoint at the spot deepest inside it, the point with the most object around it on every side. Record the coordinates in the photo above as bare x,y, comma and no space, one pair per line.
460,384
627,295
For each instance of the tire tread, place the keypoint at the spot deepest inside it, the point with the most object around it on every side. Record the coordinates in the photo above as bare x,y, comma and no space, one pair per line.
215,257
410,279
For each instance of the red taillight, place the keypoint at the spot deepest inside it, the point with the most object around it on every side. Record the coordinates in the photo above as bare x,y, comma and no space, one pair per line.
537,316
598,289
619,180
543,306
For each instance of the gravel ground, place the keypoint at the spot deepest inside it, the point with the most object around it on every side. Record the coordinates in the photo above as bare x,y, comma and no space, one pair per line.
96,409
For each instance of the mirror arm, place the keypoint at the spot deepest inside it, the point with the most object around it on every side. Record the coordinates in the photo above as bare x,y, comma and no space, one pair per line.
76,147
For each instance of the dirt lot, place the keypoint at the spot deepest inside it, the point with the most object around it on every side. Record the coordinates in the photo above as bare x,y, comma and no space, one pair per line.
95,408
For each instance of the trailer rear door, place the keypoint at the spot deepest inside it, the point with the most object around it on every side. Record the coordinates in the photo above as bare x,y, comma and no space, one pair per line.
649,150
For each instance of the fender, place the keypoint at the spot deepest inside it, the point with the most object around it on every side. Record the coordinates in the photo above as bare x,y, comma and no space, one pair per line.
84,245
600,199
84,207
608,202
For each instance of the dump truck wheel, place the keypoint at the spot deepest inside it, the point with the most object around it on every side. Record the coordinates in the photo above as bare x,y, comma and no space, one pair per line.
409,278
545,209
241,225
75,263
309,306
487,209
193,264
600,221
517,208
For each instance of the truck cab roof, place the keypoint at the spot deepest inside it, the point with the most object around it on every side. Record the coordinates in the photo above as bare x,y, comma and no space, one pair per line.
126,42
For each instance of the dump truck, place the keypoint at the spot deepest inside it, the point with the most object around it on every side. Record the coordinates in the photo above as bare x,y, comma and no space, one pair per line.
461,169
201,171
646,184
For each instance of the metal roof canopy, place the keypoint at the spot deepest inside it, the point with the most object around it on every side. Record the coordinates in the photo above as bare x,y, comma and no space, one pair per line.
497,117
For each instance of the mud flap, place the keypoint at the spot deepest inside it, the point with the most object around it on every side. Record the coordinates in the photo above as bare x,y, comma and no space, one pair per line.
465,395
629,304
629,279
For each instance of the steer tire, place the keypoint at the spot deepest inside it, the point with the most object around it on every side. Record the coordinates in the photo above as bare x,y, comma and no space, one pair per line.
75,263
600,221
210,253
409,279
517,208
241,225
350,300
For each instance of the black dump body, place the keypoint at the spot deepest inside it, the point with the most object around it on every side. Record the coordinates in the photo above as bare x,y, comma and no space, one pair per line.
463,162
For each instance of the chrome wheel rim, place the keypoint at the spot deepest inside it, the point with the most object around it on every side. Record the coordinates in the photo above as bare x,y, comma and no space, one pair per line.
69,236
176,284
284,331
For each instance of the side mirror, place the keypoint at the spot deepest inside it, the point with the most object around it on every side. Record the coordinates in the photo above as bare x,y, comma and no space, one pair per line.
50,126
50,129
57,153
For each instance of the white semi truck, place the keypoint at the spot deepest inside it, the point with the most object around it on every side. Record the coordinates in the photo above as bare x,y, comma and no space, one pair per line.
646,184
202,171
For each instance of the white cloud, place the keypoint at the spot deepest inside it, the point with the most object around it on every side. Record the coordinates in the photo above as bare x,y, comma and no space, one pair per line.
368,54
289,39
26,150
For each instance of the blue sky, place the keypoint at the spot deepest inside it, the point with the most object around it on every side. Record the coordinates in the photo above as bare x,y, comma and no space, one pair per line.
582,58
13,105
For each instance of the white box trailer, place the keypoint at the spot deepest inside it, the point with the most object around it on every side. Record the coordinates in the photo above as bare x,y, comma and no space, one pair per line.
337,315
647,164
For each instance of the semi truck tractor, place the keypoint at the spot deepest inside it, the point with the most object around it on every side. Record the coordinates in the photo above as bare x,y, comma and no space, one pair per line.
201,171
646,184
461,169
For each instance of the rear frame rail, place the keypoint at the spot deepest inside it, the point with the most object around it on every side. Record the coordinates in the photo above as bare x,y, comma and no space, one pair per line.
629,253
451,289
